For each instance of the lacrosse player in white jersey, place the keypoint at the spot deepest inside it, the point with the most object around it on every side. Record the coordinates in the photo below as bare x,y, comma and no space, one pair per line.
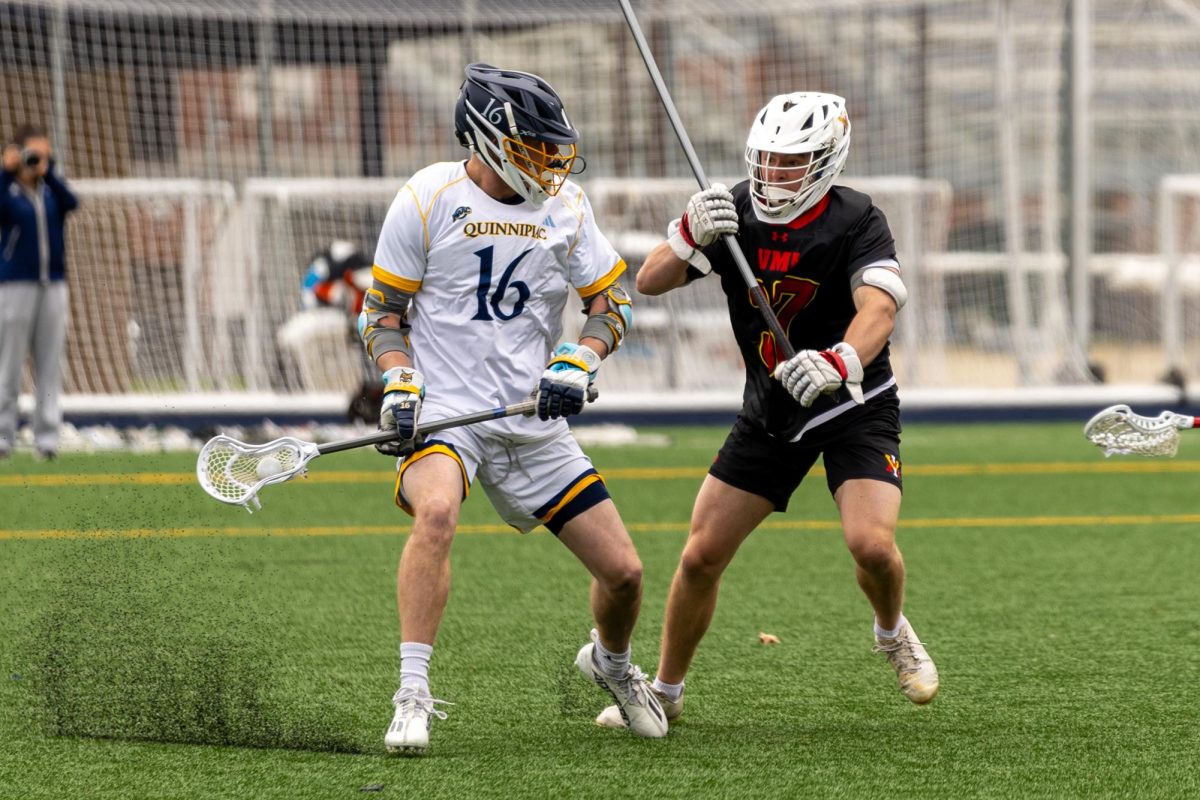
474,267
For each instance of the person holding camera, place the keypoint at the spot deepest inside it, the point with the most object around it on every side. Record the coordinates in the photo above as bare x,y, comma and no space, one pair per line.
34,203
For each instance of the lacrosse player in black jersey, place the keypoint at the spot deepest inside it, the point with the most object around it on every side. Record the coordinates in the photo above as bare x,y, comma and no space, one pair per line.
826,260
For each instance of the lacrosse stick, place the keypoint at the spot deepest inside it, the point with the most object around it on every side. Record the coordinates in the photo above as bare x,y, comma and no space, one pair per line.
1118,431
756,291
234,472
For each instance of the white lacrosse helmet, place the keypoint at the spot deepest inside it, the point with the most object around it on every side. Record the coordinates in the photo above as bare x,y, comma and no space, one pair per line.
813,126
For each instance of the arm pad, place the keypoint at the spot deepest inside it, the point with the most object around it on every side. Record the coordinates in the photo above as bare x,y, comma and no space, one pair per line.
611,325
885,278
382,301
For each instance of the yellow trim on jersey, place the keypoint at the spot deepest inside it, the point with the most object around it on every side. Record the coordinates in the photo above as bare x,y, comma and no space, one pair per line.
587,481
578,209
438,192
424,212
593,289
417,456
421,212
574,204
395,281
409,285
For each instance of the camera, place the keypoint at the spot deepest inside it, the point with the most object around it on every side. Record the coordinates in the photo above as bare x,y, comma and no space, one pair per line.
30,158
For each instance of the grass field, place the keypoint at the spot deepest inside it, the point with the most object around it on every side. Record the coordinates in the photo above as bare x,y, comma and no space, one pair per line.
157,644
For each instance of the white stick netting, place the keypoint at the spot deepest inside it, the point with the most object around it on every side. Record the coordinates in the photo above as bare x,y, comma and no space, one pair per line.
233,472
1118,431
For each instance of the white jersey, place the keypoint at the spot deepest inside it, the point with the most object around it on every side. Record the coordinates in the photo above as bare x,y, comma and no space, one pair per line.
490,282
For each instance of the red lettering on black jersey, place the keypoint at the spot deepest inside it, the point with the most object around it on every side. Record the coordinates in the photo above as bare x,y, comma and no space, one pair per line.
789,296
776,260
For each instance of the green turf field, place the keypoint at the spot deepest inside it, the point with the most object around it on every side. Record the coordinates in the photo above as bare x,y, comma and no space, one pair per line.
157,644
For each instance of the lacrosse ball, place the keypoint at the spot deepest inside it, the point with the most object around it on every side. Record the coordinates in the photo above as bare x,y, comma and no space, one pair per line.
269,467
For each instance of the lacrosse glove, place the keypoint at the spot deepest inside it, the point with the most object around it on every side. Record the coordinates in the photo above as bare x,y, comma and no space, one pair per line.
563,389
710,214
403,390
811,373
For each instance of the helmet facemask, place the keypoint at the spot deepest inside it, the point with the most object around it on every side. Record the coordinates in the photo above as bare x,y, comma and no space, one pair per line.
781,183
545,163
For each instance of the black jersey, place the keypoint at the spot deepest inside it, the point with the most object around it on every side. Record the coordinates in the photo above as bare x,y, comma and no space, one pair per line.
805,268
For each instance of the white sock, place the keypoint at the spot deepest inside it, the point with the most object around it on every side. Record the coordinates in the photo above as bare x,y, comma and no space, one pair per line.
671,691
614,665
414,665
882,634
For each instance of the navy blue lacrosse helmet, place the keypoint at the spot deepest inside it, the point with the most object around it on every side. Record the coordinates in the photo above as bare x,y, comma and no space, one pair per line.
516,123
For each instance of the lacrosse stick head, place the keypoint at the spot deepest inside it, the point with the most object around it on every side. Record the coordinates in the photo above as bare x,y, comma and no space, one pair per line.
234,472
1117,430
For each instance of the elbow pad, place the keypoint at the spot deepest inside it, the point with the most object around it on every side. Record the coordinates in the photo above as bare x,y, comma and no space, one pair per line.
611,325
377,337
884,278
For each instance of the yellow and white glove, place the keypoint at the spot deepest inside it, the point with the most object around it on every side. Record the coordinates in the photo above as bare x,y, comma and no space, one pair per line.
811,373
710,215
403,390
563,389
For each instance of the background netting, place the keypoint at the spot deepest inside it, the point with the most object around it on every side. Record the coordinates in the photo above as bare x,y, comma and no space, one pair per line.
218,145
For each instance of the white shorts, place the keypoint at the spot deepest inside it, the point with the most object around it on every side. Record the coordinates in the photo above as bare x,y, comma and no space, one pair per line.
540,482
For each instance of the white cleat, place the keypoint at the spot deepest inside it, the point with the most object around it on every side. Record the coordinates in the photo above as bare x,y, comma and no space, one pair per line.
918,676
611,717
637,706
409,732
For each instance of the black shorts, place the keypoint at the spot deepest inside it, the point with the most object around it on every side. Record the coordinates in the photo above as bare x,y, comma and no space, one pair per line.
864,445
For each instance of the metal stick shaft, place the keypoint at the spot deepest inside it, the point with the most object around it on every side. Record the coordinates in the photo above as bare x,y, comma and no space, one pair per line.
525,407
760,297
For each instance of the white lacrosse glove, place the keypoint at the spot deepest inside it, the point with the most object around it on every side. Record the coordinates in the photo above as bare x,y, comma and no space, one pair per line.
563,389
811,373
403,390
710,215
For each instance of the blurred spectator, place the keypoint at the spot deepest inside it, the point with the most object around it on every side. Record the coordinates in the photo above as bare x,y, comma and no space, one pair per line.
34,203
338,277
